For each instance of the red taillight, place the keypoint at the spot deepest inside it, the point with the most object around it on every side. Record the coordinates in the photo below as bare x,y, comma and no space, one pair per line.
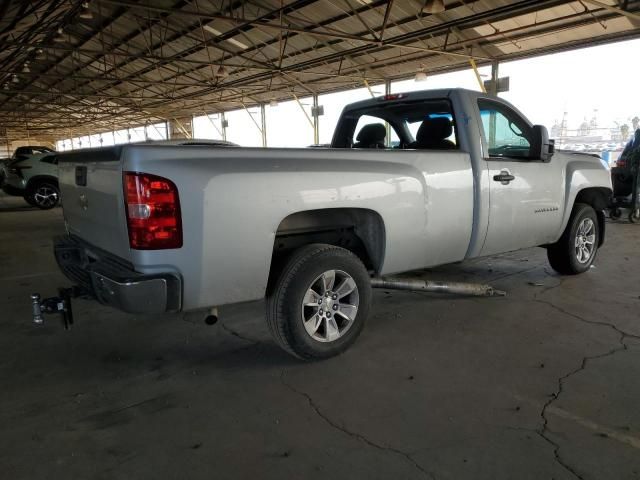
153,212
620,163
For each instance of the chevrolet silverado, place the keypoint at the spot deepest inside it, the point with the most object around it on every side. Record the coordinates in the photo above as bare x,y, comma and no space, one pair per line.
410,181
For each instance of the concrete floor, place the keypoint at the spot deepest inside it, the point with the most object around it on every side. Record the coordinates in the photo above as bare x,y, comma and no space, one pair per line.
542,384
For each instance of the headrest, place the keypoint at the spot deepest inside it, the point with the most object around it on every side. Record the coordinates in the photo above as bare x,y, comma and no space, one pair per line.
434,130
372,133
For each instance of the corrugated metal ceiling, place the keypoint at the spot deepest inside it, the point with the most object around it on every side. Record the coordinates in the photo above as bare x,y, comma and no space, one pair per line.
141,61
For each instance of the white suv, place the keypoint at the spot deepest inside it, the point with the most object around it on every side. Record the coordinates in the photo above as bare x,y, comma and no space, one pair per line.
36,179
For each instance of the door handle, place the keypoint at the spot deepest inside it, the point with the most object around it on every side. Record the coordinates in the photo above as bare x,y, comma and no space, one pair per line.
504,177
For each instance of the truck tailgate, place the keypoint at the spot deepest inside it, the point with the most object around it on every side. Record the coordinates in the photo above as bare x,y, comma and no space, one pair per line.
92,198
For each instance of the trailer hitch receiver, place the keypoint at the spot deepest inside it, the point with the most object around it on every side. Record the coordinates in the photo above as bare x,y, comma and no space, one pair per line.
60,305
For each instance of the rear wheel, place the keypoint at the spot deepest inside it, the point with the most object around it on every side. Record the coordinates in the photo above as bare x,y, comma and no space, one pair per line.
634,216
320,301
45,195
575,251
615,213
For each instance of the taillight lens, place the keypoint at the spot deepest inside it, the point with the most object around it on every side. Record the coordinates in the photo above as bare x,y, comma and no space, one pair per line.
620,163
153,212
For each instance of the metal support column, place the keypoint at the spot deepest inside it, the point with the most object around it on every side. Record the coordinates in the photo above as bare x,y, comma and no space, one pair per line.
494,77
387,91
213,124
263,120
316,121
223,121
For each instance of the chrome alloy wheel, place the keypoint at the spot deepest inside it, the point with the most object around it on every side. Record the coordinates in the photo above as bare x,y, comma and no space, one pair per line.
330,306
585,240
45,196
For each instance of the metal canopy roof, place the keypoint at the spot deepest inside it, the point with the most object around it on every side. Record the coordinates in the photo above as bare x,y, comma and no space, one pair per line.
62,74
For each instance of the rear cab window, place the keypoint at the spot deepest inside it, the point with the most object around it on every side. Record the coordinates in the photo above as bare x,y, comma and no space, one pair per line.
400,124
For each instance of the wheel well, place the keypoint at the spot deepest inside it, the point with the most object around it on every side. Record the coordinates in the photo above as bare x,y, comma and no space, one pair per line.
356,229
598,198
39,179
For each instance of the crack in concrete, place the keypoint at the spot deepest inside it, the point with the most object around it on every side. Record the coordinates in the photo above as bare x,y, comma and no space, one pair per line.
232,332
358,436
542,432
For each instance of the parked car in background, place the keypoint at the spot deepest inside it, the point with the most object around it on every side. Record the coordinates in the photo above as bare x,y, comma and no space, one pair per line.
20,154
3,164
34,178
28,151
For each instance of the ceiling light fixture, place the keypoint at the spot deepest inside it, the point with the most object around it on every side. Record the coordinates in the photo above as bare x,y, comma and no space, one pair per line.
86,13
232,41
15,79
273,102
39,53
433,6
59,38
6,86
222,72
25,68
421,76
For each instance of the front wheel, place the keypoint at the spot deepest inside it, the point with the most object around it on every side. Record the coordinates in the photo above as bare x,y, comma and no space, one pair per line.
319,302
44,195
30,200
576,250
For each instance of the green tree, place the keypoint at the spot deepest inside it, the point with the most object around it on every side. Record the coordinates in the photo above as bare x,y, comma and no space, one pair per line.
624,131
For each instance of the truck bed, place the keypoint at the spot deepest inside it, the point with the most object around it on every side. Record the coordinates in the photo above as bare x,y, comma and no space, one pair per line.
234,200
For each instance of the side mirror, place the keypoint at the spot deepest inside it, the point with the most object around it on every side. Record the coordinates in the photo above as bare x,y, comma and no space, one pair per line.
542,148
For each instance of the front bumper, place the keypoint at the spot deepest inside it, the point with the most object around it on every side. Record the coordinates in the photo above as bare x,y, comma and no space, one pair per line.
114,282
13,190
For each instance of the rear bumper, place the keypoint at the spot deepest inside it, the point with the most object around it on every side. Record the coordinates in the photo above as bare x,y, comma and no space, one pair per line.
112,281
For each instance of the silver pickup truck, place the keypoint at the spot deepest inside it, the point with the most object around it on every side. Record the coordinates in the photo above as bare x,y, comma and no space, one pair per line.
410,181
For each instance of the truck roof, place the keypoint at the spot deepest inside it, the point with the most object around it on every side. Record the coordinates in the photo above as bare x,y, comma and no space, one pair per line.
415,95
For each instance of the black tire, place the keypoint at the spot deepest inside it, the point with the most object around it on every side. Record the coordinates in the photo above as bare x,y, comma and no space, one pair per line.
563,255
615,213
299,273
634,216
30,200
45,195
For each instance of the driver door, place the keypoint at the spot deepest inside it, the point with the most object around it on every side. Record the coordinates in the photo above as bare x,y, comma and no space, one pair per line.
525,194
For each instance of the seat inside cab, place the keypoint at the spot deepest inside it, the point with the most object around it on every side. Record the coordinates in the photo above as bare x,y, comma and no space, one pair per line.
409,125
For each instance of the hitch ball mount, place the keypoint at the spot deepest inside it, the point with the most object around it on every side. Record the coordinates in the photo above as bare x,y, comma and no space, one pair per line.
60,305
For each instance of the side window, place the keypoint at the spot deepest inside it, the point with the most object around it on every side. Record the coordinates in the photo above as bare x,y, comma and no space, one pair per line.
50,159
505,132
